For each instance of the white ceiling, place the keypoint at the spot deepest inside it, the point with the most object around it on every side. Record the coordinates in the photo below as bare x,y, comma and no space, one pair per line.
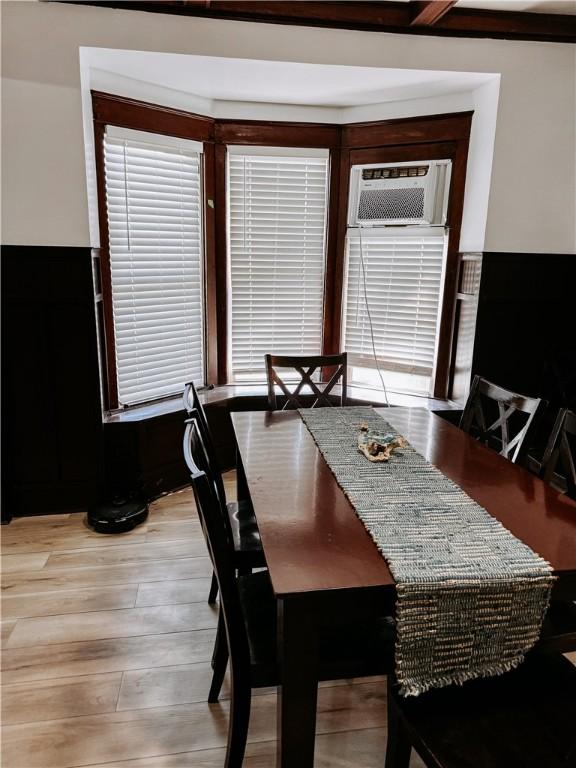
532,6
247,80
567,7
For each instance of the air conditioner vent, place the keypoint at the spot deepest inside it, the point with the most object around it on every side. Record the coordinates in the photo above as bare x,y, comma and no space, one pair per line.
399,172
402,203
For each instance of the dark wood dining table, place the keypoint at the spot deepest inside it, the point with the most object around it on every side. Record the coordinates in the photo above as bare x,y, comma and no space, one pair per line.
323,563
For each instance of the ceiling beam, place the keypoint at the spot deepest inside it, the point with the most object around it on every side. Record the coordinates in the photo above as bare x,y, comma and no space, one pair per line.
394,17
428,13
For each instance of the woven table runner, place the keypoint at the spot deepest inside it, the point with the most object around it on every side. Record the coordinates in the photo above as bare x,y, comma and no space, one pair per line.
471,597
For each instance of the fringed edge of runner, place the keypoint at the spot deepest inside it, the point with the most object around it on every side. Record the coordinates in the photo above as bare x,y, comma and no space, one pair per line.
411,686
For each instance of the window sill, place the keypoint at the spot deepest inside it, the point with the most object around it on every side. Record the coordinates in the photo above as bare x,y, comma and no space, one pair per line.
228,393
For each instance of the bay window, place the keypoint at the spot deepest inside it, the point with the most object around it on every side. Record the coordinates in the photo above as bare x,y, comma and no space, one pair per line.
222,241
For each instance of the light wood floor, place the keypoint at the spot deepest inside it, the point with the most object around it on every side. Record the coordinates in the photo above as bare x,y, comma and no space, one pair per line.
106,648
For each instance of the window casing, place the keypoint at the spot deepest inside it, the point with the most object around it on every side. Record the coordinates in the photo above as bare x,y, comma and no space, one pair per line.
277,213
153,189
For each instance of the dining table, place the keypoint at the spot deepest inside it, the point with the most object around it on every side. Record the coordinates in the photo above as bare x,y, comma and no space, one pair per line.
324,565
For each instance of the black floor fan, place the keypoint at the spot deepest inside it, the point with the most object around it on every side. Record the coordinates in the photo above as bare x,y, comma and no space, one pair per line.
119,508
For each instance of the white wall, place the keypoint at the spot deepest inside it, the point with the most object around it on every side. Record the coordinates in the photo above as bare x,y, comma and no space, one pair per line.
531,206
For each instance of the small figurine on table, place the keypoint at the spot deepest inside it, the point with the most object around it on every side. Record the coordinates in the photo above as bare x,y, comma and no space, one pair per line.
377,447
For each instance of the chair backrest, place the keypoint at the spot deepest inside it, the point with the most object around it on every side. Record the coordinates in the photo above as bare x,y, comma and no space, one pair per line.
197,458
192,404
503,429
559,460
306,366
221,549
191,401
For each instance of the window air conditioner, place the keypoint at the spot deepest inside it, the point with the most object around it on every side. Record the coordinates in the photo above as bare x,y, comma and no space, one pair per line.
399,193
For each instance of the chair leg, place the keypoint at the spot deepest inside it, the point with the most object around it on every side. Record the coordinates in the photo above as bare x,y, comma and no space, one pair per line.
239,721
219,661
220,638
398,747
213,594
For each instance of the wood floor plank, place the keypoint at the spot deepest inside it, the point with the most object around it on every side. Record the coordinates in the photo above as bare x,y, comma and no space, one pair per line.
6,627
173,530
24,562
350,749
65,543
181,513
41,521
64,536
70,601
97,656
171,730
61,698
129,553
54,579
188,684
67,534
177,506
120,736
173,592
21,527
168,686
99,625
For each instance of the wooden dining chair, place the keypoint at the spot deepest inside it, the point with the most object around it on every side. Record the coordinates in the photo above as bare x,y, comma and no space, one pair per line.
522,719
306,368
249,611
557,468
500,418
559,461
246,551
242,520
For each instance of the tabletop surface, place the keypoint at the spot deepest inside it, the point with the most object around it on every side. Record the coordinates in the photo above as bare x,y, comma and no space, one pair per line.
314,541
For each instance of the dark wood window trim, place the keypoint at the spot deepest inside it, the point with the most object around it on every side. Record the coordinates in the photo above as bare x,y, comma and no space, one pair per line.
211,242
108,109
221,266
430,137
110,387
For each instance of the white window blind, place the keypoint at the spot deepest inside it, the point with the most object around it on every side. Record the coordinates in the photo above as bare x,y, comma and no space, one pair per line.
153,196
277,223
403,282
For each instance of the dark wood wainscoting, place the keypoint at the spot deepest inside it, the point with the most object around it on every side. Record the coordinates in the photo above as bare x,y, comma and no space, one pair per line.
52,426
526,328
58,456
524,334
